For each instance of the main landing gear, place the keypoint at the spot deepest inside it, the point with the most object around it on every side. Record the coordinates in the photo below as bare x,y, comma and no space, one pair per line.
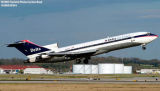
85,60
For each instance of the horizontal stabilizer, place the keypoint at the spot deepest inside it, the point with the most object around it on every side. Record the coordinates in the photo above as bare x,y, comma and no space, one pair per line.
15,44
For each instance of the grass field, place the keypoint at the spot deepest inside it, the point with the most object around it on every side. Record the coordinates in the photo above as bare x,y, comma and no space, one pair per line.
79,87
75,86
23,77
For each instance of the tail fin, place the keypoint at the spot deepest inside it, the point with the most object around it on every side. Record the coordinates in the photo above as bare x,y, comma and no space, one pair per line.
27,47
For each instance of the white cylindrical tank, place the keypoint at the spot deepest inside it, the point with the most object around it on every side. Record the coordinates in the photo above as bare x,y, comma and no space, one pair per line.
1,71
78,69
127,69
94,69
106,68
87,69
119,68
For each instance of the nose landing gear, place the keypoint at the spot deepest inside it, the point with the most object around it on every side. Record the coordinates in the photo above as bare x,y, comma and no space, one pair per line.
144,47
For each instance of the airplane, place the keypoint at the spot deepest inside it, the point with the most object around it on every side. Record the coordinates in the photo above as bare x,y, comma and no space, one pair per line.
83,51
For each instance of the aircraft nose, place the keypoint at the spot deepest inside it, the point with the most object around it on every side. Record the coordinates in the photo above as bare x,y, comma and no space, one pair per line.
154,36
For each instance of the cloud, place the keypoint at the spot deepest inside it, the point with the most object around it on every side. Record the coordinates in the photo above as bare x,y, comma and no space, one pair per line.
153,10
151,16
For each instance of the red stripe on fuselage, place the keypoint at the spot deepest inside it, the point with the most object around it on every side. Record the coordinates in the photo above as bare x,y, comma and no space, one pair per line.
150,36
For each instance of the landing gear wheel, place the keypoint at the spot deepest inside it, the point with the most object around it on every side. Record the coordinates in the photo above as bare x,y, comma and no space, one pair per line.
143,47
86,61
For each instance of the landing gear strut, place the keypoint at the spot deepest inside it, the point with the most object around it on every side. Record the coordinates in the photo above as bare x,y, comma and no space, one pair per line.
78,61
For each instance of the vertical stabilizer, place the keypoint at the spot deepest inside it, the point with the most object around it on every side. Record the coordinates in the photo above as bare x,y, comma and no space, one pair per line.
27,47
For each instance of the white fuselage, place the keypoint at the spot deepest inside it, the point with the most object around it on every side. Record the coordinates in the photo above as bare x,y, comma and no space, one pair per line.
111,43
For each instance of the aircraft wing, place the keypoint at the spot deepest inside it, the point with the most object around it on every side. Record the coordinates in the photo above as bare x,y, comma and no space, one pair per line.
73,54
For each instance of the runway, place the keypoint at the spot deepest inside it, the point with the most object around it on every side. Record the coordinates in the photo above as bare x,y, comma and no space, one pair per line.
136,80
100,82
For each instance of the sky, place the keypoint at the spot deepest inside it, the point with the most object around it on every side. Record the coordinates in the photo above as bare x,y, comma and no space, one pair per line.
75,21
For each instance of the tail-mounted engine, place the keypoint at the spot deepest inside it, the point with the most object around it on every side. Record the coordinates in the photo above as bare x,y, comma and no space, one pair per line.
37,59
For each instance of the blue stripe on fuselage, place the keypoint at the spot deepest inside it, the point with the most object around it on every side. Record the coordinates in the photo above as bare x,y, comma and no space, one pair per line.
144,35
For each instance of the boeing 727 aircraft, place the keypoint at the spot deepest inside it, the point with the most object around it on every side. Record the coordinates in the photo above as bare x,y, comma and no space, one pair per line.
81,52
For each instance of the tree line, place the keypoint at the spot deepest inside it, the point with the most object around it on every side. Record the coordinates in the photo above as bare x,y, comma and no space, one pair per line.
137,63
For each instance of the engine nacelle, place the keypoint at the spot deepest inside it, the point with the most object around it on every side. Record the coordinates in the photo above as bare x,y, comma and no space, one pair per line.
45,56
36,59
